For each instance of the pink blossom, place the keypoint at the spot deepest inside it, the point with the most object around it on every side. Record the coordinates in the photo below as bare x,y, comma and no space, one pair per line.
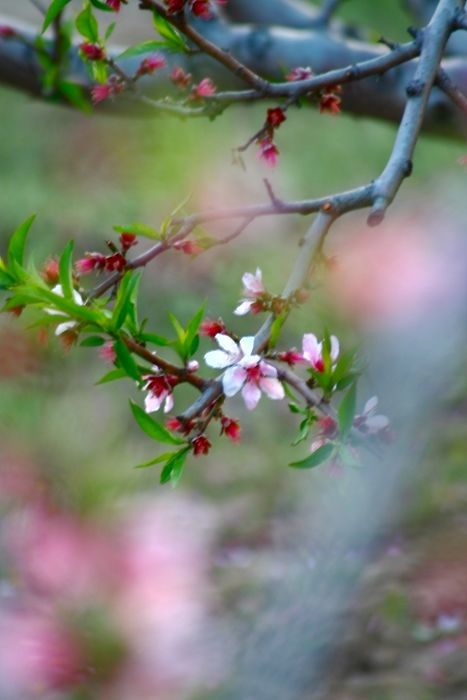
245,371
90,262
205,88
268,152
313,351
300,73
107,352
159,388
38,654
93,52
151,64
252,289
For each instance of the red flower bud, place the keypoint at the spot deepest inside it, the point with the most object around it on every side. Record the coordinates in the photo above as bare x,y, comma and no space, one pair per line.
115,262
201,445
210,328
92,52
275,117
231,428
50,271
327,426
7,32
127,240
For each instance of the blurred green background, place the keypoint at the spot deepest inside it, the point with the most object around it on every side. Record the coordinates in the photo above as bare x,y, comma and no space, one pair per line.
83,174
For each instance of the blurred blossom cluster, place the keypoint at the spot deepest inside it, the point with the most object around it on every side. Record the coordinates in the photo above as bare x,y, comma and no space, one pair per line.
116,608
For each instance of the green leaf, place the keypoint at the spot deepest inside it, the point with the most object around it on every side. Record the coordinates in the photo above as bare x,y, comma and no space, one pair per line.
143,47
173,38
54,9
101,6
86,24
112,376
317,457
346,412
191,342
66,271
174,468
275,330
304,430
93,341
157,460
100,71
139,230
126,296
126,361
155,430
75,95
155,339
5,280
110,29
17,244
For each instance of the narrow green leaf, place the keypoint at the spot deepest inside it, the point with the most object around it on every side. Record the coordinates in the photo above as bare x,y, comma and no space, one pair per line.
86,24
126,296
157,460
75,95
317,457
100,71
143,47
125,359
66,271
191,342
17,244
54,9
139,230
346,412
93,341
101,6
155,339
5,280
181,334
174,467
169,33
155,430
112,376
110,29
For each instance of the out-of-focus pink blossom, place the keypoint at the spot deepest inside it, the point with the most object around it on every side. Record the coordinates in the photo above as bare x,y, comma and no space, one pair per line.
107,352
55,554
252,289
38,654
389,277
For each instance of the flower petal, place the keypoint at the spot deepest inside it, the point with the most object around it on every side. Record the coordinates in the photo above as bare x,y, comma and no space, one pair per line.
152,402
251,395
233,380
334,347
227,344
311,348
169,403
63,327
247,344
267,370
376,423
249,361
370,405
218,359
243,308
272,387
253,283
